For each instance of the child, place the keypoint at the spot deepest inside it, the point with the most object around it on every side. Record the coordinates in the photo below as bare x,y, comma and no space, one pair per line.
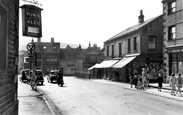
160,82
179,83
140,84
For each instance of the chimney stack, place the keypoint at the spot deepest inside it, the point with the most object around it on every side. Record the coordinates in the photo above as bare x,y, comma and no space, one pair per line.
52,40
141,17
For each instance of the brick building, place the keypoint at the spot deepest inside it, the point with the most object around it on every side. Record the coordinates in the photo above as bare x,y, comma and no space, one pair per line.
9,38
173,35
137,47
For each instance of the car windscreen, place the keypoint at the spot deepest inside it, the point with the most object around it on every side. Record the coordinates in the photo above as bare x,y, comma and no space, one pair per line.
38,73
54,73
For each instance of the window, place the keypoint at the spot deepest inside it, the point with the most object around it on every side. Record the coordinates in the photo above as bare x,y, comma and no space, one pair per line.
171,7
119,48
151,42
129,46
135,43
107,50
112,50
171,33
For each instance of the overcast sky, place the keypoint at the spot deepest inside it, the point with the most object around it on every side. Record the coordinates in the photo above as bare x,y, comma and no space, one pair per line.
94,21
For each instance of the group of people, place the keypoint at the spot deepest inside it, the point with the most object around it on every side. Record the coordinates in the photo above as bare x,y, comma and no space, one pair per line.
176,81
140,82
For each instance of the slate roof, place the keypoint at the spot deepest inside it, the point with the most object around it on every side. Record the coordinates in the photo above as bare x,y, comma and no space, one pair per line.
70,53
132,29
47,47
92,50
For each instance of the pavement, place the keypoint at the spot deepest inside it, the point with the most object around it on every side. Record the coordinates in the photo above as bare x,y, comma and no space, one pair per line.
32,102
35,103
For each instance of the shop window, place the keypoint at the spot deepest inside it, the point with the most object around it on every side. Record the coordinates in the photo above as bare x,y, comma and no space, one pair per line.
151,42
171,33
180,63
173,63
171,7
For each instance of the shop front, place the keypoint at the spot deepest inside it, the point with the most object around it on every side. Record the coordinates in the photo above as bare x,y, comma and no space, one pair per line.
175,56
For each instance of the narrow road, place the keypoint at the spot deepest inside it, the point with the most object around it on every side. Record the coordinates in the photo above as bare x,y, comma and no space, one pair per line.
87,97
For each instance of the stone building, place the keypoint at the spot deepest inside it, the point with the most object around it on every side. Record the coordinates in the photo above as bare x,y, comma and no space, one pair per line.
92,55
48,54
71,60
9,38
137,47
173,36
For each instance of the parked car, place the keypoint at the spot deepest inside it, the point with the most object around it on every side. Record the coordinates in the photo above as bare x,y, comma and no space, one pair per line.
26,71
39,74
52,76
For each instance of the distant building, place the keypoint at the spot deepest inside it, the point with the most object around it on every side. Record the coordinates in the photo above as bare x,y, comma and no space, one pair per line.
92,55
137,47
173,36
71,60
9,38
48,54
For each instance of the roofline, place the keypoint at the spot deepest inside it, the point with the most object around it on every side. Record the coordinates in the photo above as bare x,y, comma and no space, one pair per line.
114,38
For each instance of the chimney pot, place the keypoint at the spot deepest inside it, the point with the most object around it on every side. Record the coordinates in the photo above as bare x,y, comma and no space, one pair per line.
141,17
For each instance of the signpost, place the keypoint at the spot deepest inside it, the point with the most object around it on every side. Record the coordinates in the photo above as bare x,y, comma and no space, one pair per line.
31,21
31,47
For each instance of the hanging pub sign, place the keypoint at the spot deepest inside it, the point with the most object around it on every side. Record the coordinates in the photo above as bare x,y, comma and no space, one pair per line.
31,21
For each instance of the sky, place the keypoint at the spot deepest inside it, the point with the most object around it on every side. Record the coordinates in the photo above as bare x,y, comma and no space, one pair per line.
95,21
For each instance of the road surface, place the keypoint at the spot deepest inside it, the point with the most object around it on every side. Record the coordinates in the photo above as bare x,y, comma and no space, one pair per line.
87,97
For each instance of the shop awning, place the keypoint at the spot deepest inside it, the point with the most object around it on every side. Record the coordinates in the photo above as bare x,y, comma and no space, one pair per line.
104,64
94,66
124,61
109,63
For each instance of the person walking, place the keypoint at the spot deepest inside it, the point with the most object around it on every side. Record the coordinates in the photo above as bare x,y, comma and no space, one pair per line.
33,82
131,81
179,83
135,80
173,83
60,81
144,75
160,82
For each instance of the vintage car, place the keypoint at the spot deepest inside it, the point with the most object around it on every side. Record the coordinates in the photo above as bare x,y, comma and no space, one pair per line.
52,76
39,76
26,71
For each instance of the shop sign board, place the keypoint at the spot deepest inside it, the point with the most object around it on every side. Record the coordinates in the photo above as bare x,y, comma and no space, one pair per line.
175,49
31,21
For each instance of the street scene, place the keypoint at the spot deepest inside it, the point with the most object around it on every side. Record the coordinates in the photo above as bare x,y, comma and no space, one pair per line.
100,97
91,57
